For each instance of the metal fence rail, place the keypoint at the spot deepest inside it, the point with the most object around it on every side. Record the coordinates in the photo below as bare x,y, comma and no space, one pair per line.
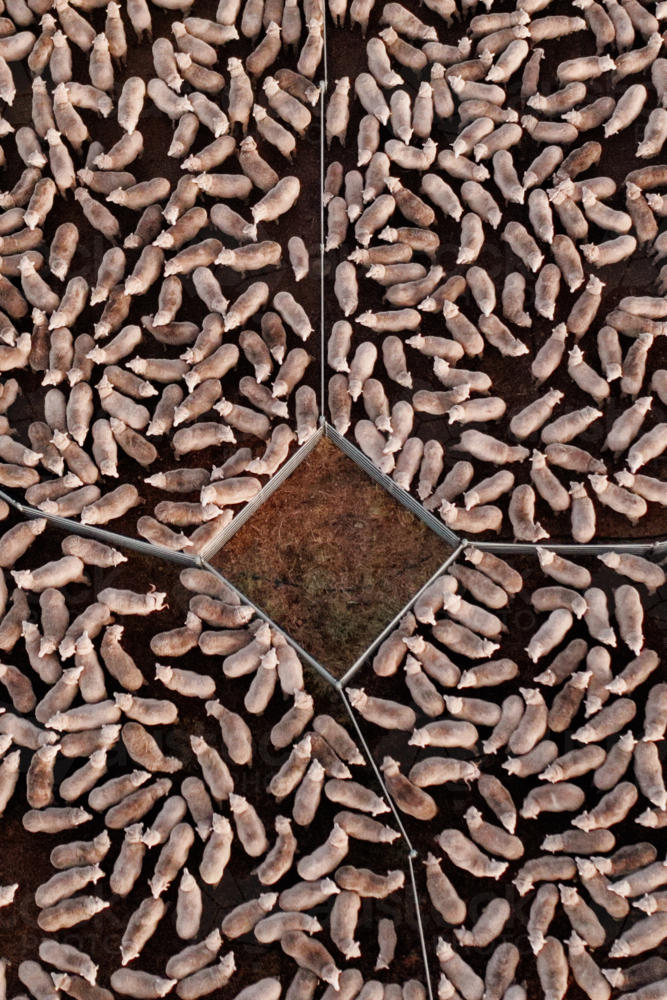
351,450
283,473
377,642
413,855
99,534
261,614
567,548
324,87
337,686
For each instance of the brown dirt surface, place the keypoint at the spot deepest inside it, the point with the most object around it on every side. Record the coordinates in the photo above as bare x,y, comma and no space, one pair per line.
313,555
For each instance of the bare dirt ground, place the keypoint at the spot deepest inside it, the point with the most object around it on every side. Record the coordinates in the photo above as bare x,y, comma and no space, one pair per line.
331,557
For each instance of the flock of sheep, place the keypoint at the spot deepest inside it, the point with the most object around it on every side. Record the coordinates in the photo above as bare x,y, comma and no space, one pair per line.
84,765
525,796
560,747
523,801
124,387
543,350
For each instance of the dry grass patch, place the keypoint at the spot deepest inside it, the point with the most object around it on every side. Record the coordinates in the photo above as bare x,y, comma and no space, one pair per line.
331,557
